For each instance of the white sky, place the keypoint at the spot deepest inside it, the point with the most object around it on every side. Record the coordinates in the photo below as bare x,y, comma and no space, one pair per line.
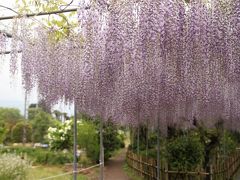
11,91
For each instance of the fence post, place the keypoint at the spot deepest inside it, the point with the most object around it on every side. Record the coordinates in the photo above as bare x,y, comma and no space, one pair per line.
227,170
199,175
140,163
211,173
166,172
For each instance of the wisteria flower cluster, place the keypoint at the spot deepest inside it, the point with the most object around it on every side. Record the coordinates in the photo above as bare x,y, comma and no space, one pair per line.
134,61
3,43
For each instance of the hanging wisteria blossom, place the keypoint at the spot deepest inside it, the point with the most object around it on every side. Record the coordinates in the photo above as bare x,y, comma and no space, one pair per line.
3,43
134,61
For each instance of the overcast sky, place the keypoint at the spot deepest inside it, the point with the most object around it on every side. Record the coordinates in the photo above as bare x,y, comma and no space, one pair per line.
11,91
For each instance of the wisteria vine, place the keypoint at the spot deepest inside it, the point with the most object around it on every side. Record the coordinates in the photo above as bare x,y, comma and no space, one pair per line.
134,61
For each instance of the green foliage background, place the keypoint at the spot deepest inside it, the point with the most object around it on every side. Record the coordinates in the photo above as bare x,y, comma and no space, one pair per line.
18,132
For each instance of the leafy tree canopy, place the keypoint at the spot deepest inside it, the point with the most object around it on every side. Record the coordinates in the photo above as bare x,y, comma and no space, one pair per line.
40,124
10,115
61,24
18,132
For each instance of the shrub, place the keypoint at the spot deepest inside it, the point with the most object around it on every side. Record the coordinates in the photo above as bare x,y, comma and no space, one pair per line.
88,139
53,158
60,137
41,156
227,144
111,139
12,167
121,137
185,152
84,161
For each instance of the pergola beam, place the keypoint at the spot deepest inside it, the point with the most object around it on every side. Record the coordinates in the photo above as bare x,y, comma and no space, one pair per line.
6,34
39,14
8,52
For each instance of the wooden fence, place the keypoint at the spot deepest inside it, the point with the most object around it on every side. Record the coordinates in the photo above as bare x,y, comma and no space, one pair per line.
147,168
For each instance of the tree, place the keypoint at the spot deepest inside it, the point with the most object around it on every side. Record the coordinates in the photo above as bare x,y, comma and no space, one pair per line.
210,138
62,24
57,114
10,115
3,132
44,106
40,124
32,112
8,118
33,109
88,139
111,139
18,132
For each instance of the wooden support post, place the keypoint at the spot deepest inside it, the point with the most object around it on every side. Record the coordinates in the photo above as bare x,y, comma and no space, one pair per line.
211,173
166,173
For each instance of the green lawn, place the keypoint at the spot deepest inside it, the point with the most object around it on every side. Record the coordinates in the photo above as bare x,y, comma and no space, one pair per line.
39,172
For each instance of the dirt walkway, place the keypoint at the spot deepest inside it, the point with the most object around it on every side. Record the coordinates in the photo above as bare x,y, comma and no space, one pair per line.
114,167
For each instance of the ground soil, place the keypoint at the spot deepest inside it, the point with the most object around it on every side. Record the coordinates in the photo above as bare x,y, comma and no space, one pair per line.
114,167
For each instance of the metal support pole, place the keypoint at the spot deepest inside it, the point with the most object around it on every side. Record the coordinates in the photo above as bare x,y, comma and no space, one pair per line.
75,142
158,149
138,140
101,151
25,106
147,137
25,118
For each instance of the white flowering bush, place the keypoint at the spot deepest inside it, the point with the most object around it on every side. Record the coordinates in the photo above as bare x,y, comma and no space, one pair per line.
60,137
13,167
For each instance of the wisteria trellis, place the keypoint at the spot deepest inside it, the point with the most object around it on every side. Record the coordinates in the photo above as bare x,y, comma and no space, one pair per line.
143,59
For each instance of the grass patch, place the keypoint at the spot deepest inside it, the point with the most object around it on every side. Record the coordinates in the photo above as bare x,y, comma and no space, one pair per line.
39,155
39,172
131,173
